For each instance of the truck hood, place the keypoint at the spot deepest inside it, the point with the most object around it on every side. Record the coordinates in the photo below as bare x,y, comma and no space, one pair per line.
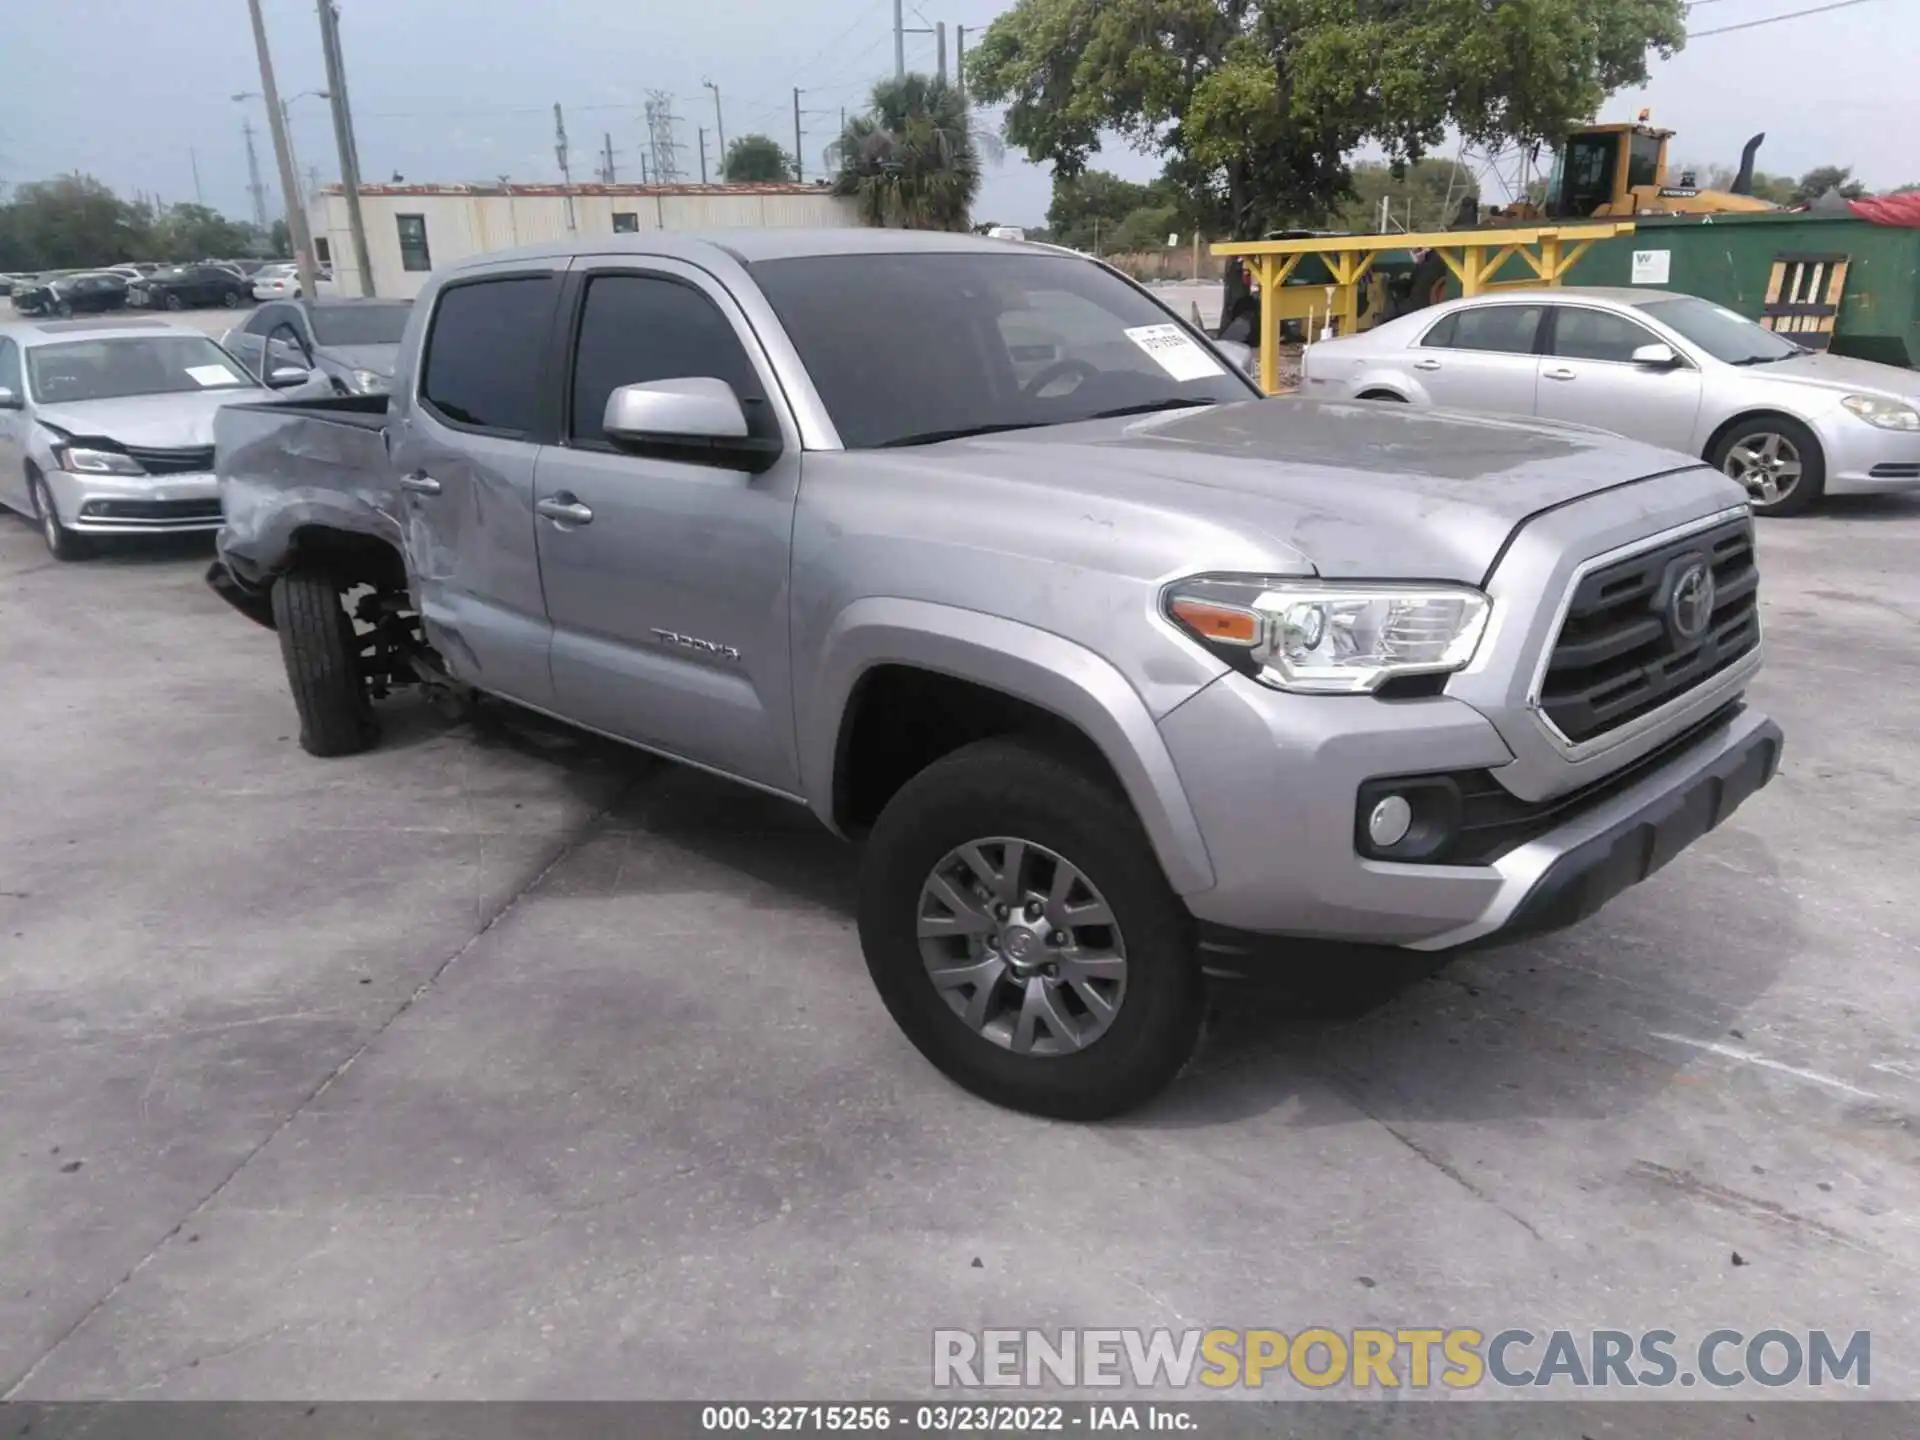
1349,489
157,422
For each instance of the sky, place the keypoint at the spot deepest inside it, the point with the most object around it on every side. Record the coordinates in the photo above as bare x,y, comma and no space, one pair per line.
463,90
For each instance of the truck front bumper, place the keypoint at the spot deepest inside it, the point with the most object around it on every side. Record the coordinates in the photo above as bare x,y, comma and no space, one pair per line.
1274,782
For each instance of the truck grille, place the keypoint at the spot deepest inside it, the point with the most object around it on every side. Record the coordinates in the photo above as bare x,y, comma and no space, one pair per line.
1621,653
195,461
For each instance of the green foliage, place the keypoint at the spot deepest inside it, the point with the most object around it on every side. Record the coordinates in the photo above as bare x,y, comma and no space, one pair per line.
1088,208
1777,188
75,221
1255,104
279,240
1423,195
913,159
756,157
1822,178
1145,229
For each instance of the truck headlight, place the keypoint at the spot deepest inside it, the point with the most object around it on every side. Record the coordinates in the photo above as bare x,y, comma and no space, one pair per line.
81,461
1879,410
369,382
1331,637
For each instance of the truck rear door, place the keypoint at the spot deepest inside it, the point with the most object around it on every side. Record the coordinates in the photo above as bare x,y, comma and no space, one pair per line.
666,576
464,453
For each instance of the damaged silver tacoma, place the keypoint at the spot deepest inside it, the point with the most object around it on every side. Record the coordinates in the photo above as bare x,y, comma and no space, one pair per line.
986,557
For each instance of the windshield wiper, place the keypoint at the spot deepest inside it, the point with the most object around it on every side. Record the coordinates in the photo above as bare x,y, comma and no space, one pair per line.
959,432
1766,359
1177,403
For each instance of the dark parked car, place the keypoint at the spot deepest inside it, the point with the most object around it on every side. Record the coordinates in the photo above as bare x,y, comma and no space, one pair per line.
183,287
352,342
84,293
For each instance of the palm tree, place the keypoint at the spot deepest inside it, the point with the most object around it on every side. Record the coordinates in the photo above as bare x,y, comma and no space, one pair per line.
913,160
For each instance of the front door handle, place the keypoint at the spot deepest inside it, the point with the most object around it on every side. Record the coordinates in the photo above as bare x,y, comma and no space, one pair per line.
420,484
1560,374
1426,364
563,509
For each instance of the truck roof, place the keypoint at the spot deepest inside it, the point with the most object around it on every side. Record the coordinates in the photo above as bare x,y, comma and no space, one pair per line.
750,246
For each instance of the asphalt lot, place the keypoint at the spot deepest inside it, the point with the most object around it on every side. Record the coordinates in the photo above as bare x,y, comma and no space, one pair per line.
496,1064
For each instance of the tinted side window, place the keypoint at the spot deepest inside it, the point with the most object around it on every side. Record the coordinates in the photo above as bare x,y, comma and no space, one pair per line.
1508,329
262,320
637,328
1440,337
484,350
1597,335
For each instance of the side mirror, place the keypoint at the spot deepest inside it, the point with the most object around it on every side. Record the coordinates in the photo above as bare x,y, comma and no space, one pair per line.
288,377
698,419
1656,357
1243,357
9,400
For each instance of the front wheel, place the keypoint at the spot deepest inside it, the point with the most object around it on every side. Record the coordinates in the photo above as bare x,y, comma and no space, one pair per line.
1779,461
231,300
1021,933
322,655
62,543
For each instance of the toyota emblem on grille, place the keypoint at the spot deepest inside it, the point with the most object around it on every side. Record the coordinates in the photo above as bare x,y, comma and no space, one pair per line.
1690,601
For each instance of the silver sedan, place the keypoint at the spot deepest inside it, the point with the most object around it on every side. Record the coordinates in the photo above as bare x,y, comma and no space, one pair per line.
1674,370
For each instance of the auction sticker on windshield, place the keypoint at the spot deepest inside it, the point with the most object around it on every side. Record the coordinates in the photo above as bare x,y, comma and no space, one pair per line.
210,374
1174,351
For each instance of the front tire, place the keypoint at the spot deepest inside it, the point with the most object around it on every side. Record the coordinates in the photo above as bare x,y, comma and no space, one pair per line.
231,300
174,302
1020,931
1779,460
62,543
322,656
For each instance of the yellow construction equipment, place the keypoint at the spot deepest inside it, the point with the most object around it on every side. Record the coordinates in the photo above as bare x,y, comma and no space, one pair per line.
1622,170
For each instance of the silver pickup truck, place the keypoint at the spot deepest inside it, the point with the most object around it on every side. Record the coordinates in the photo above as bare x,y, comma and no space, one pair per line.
986,557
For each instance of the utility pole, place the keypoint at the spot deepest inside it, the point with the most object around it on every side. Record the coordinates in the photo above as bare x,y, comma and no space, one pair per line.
960,59
194,158
799,167
283,153
719,127
899,43
643,169
940,48
606,164
663,149
343,139
560,151
254,187
703,154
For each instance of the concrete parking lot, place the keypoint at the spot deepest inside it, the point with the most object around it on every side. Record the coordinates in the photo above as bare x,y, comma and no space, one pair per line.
497,1064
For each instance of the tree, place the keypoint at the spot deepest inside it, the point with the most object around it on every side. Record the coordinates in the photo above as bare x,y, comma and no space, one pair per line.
1777,188
1822,178
193,232
756,157
1255,105
1145,229
1088,207
69,222
279,240
1422,195
913,159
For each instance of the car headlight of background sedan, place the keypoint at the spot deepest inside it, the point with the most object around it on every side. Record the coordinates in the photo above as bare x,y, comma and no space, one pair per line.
1331,638
1886,413
81,461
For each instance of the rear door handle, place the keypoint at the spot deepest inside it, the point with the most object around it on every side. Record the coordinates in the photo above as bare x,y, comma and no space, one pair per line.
1426,364
1560,374
563,509
420,484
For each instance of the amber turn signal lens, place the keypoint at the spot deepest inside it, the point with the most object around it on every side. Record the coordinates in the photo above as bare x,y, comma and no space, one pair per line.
1225,623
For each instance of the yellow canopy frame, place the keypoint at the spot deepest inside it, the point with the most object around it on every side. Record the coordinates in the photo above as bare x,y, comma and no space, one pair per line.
1474,257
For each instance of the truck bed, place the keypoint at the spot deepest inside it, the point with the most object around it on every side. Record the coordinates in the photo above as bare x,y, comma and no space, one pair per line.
284,466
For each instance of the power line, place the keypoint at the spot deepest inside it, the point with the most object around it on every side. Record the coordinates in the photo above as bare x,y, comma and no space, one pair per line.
1773,19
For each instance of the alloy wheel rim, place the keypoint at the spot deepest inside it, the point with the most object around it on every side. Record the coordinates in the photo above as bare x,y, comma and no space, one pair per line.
1022,946
1768,464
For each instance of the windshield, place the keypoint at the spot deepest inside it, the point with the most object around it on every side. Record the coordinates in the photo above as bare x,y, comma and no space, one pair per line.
359,324
1719,331
911,348
133,365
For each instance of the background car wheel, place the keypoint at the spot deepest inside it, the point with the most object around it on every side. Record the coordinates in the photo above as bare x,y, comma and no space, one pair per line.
174,302
231,300
1778,460
62,543
322,656
64,309
1021,933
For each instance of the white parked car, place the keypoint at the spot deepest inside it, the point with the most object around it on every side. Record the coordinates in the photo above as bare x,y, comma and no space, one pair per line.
1675,370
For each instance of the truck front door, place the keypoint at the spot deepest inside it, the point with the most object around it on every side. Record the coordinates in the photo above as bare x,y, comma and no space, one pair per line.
667,578
463,455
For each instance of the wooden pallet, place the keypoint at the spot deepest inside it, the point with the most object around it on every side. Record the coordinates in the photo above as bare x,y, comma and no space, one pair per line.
1803,297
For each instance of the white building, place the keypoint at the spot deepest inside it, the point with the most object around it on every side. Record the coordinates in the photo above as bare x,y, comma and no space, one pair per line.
413,228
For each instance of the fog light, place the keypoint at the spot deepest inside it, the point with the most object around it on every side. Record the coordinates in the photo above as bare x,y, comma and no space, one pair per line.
1389,821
